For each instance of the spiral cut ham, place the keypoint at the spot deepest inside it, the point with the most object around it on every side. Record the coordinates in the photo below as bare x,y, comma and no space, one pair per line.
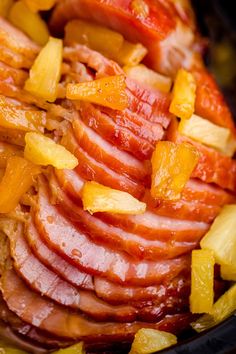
67,275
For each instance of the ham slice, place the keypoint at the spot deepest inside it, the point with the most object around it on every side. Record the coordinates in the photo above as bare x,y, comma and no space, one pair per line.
14,76
52,260
46,315
74,245
91,169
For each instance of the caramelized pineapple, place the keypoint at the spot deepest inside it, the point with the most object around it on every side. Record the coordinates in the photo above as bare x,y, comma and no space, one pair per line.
148,77
222,309
29,22
74,349
14,117
5,6
18,178
38,5
205,132
184,94
140,8
172,166
6,151
147,341
46,71
99,198
108,91
228,272
94,36
42,150
130,54
202,281
221,238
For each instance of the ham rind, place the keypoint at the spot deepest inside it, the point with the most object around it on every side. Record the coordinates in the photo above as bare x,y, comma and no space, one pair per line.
46,315
210,102
29,332
107,153
53,261
119,294
168,46
62,236
121,137
212,166
91,169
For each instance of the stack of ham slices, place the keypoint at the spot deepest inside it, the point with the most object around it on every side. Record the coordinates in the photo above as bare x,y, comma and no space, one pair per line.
68,275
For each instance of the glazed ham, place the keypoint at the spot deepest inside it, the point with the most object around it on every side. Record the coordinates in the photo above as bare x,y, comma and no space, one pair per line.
67,274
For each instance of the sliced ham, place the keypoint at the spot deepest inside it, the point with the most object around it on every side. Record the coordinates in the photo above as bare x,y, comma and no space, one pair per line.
14,76
52,260
106,153
74,245
91,169
121,137
44,314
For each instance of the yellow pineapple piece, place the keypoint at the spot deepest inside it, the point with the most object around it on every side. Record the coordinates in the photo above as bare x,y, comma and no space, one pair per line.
172,166
221,238
99,198
222,309
44,151
148,77
46,71
17,179
29,22
5,6
108,91
6,151
94,36
205,132
184,94
202,281
130,54
228,272
38,5
147,341
73,349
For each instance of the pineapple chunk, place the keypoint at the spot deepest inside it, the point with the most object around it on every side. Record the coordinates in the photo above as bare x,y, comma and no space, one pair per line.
46,71
6,151
147,341
44,151
130,54
29,22
205,132
222,309
99,198
202,281
38,5
228,272
140,8
184,94
108,91
74,349
172,166
94,36
5,6
18,178
13,117
221,238
148,77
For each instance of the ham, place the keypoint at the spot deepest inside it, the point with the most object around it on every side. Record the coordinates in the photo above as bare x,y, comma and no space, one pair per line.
53,261
91,169
14,76
106,153
46,315
62,236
